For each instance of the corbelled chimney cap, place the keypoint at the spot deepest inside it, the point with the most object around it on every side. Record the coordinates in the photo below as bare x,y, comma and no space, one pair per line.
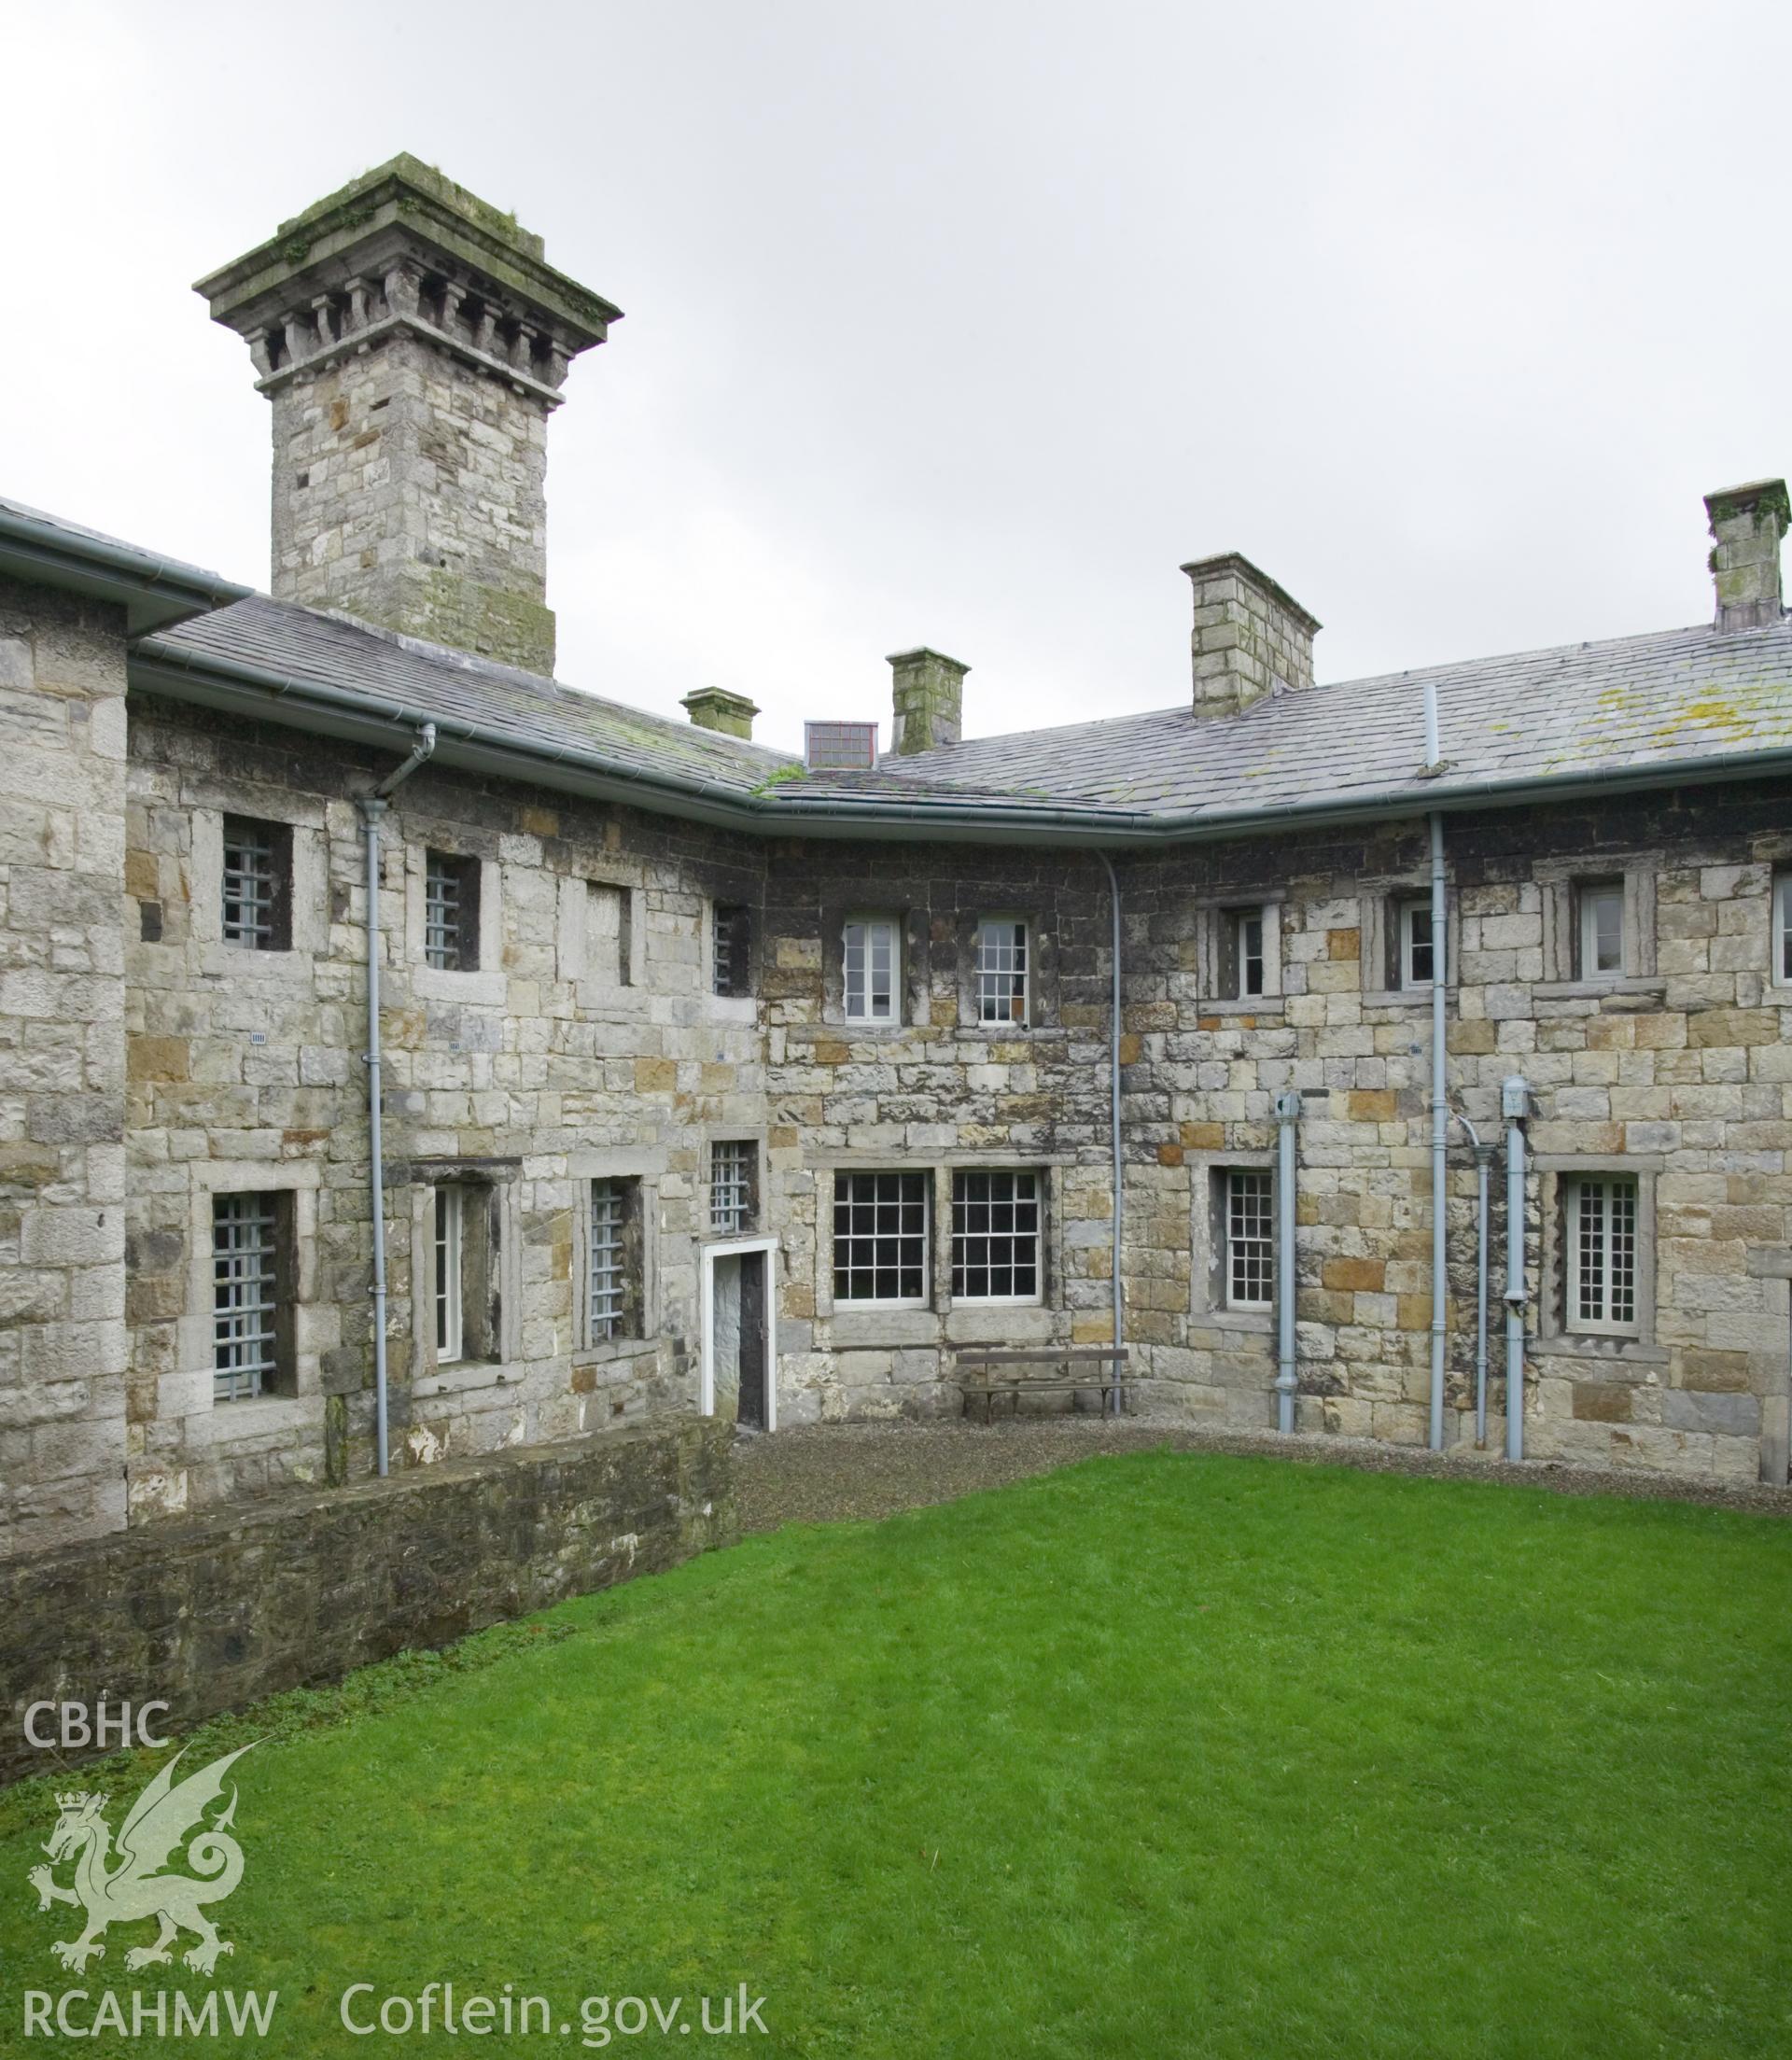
406,213
1235,562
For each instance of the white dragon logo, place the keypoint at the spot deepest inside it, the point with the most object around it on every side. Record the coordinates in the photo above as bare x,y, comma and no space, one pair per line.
160,1819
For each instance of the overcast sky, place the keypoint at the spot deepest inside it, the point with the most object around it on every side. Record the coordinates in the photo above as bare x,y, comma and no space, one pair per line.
969,324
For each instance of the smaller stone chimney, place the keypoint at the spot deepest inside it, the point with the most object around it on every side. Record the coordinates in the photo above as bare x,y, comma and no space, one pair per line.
716,708
1748,522
929,689
1250,637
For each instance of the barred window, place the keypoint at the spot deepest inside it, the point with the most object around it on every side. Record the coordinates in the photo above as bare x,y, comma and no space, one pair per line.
1783,928
880,1236
451,912
616,1284
257,893
1602,929
1250,1238
1002,971
733,1179
245,1295
1601,1213
871,965
731,951
995,1237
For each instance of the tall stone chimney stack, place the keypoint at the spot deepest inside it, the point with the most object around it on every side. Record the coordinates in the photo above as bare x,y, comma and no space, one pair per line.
413,342
1748,522
1250,637
928,691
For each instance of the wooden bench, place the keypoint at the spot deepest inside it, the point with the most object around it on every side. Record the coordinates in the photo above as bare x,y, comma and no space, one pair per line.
988,1372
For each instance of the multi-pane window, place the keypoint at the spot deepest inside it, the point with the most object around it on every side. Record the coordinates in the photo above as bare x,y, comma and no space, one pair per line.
1002,971
257,898
615,1283
1783,928
880,1236
450,1259
995,1237
734,1169
871,965
1250,1235
730,950
1602,929
1600,1237
245,1295
1418,948
451,912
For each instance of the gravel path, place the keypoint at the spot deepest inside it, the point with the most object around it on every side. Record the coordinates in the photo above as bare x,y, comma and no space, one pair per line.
830,1473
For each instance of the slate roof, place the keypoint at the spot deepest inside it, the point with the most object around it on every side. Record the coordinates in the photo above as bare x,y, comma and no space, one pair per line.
449,687
1679,700
1572,712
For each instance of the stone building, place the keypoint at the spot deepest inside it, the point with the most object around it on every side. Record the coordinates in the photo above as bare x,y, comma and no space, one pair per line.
710,1079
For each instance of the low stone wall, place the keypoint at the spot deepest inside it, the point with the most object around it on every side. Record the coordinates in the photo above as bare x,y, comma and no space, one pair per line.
210,1613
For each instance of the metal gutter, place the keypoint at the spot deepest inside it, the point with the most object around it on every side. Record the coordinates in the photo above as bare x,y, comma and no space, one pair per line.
191,675
155,591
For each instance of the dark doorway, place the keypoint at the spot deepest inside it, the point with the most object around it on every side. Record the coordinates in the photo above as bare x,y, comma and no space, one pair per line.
751,1412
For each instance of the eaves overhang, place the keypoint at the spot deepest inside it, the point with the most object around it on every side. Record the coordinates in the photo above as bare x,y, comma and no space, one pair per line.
774,810
155,593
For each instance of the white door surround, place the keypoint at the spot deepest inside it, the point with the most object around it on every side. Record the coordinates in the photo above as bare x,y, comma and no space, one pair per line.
731,1248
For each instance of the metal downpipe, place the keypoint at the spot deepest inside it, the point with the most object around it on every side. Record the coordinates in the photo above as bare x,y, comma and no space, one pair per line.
1515,1103
1113,1120
1287,1377
1483,1163
373,807
1439,1135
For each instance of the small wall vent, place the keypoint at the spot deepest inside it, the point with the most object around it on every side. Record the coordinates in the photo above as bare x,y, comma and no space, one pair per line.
839,747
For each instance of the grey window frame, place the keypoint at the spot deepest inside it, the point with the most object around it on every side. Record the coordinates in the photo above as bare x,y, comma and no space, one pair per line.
450,941
248,1362
734,1185
270,846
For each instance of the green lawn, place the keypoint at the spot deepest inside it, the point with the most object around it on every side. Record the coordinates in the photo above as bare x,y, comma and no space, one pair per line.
1156,1755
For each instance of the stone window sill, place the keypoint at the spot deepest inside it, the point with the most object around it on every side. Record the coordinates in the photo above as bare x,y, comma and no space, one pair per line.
1255,1004
1247,1322
1410,998
234,962
1595,1352
464,1376
1592,990
481,988
613,1349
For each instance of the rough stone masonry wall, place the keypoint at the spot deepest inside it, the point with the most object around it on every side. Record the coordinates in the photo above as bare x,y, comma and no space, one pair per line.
62,1068
937,1091
1680,1072
526,1078
210,1613
410,491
